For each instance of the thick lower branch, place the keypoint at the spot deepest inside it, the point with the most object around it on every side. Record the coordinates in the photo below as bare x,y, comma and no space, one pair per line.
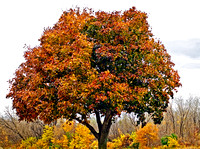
108,119
98,118
89,127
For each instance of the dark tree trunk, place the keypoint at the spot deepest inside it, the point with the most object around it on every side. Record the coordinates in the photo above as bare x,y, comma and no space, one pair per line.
144,124
102,135
102,143
103,129
181,128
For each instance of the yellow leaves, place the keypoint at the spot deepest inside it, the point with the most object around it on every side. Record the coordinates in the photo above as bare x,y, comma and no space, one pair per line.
82,138
73,78
147,134
124,140
64,141
47,135
172,142
28,143
75,136
68,126
48,132
94,145
118,142
44,142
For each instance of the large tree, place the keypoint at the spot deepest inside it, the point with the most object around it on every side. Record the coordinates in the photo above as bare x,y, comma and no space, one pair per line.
95,63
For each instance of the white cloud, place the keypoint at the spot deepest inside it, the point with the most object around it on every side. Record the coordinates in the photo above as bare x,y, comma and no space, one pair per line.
190,48
188,66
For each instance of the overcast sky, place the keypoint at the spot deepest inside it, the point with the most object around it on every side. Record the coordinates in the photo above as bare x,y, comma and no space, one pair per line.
175,22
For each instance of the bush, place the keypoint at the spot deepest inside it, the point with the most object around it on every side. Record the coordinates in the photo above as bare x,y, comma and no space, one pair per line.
82,138
164,140
170,141
143,138
147,135
75,136
125,140
29,142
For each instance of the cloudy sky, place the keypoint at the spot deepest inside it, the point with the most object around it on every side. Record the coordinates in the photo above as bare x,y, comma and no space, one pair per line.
175,22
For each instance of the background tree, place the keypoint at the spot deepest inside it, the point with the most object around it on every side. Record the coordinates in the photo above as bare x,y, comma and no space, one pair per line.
183,110
102,64
125,124
13,130
171,116
182,118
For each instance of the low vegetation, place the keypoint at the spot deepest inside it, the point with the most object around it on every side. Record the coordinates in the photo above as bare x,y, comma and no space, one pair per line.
174,132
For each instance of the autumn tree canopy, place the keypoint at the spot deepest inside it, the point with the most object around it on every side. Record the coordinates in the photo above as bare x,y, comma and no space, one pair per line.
95,63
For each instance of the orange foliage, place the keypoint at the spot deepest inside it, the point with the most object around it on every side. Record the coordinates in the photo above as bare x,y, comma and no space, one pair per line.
95,63
87,60
147,135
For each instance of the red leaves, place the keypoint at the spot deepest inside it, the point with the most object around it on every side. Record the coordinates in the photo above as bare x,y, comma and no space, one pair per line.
100,97
94,85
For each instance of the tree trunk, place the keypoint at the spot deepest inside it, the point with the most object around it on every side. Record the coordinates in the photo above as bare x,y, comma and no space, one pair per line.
104,129
181,129
102,135
102,141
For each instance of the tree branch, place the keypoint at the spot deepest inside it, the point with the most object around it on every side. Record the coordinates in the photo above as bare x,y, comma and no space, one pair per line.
89,127
8,126
98,120
107,121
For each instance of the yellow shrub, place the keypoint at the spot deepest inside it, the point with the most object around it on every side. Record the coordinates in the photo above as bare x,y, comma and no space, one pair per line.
44,142
40,144
79,137
125,140
147,135
118,141
110,145
68,126
82,138
94,145
172,142
161,147
47,136
28,143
